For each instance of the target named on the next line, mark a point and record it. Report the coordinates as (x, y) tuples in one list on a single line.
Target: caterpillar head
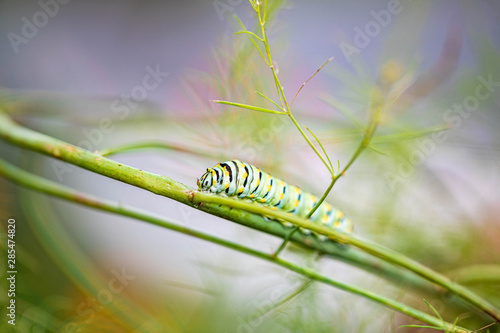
[(206, 181)]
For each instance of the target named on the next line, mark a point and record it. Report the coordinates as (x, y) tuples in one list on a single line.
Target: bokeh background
[(435, 200)]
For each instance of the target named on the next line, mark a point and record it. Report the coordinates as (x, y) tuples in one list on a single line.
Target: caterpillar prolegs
[(235, 178)]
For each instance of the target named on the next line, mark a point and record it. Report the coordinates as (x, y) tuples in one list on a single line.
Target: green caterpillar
[(235, 178)]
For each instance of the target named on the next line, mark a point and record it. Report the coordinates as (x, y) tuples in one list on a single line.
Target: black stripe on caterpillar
[(245, 181)]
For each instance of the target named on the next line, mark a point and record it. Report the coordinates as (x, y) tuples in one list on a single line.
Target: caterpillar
[(246, 181)]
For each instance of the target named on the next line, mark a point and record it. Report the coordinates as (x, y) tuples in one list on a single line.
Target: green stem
[(364, 143), (279, 87), (129, 147), (165, 186), (310, 143), (373, 123), (29, 180), (281, 93), (477, 274), (285, 241)]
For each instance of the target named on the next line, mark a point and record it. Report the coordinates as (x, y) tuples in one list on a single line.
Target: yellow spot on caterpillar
[(263, 200), (328, 207), (336, 224), (213, 181), (297, 190), (227, 185), (314, 199), (252, 196), (297, 203), (274, 208), (339, 215), (325, 218), (258, 182), (268, 188), (282, 195), (240, 190), (245, 175)]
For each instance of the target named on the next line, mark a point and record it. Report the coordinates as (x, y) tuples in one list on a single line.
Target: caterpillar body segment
[(246, 181)]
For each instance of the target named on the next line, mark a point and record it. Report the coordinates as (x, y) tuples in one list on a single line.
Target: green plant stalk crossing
[(165, 186), (34, 182)]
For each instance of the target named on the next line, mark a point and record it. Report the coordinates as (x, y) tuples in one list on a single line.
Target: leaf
[(270, 100), (322, 148), (382, 139), (328, 99), (433, 310), (249, 107), (422, 326), (251, 39), (377, 150), (250, 33)]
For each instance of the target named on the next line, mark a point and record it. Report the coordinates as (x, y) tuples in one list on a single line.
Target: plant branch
[(309, 79), (130, 147), (373, 123)]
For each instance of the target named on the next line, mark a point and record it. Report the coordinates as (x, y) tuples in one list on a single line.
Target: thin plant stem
[(257, 6), (482, 328), (145, 145), (309, 79), (323, 149), (261, 312), (364, 143)]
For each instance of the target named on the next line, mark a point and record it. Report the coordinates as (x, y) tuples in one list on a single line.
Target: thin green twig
[(267, 309), (364, 143), (262, 14), (145, 145), (248, 32), (332, 171), (373, 123), (249, 107), (309, 79), (270, 100)]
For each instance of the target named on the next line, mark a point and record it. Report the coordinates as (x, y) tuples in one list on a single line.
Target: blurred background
[(428, 186)]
